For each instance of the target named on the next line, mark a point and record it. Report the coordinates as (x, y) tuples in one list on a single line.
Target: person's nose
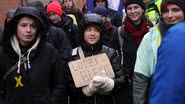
[(170, 14), (28, 28), (132, 10)]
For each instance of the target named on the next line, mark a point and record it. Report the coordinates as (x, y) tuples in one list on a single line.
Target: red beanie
[(54, 7)]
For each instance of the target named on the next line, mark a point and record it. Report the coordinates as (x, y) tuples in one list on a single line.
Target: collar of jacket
[(66, 22), (7, 48), (163, 27), (91, 50)]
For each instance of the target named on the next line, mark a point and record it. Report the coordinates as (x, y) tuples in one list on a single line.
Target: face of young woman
[(135, 13), (54, 18), (91, 35), (172, 14), (68, 3), (26, 30)]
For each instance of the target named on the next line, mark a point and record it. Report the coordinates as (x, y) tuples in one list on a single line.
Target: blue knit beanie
[(101, 10)]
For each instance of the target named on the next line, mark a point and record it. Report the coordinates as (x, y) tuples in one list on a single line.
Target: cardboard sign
[(83, 70)]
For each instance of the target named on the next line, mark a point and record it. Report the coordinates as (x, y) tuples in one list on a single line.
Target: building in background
[(5, 5)]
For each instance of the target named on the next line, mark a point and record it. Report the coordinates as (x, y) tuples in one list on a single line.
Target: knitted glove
[(105, 84), (89, 90)]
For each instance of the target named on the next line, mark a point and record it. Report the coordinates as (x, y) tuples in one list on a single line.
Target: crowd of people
[(38, 41)]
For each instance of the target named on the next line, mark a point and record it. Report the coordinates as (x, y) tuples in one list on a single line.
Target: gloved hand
[(89, 90), (103, 83)]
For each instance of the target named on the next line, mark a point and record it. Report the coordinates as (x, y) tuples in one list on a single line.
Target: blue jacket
[(169, 79)]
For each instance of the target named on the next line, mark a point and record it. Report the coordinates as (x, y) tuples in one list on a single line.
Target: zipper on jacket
[(92, 50), (95, 99)]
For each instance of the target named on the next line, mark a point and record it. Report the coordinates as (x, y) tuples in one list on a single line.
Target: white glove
[(103, 83), (89, 90)]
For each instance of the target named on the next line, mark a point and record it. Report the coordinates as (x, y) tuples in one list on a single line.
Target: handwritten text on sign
[(83, 70)]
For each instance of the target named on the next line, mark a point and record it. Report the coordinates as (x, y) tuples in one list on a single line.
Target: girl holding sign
[(102, 89)]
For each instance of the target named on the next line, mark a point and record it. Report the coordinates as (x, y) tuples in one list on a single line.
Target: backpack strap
[(81, 53), (14, 67), (78, 50)]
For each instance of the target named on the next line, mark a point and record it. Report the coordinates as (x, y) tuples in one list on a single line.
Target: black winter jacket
[(57, 37), (71, 31), (108, 34), (129, 49), (41, 83), (116, 20), (77, 96)]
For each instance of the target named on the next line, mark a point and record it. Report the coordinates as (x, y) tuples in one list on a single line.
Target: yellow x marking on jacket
[(18, 81)]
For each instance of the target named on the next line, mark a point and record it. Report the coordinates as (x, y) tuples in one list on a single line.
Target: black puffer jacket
[(76, 95), (43, 82)]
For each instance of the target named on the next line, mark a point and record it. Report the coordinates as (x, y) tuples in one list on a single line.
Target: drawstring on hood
[(17, 49)]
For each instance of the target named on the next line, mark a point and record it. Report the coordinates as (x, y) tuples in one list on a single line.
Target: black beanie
[(180, 3), (139, 2)]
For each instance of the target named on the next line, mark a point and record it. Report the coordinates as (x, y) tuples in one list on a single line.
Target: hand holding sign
[(83, 70), (103, 83)]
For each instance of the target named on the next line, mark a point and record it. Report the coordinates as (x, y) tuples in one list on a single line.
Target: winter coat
[(108, 34), (76, 12), (76, 94), (57, 37), (116, 19), (145, 65), (40, 77), (128, 51), (41, 84), (71, 31), (129, 56), (168, 81), (146, 62)]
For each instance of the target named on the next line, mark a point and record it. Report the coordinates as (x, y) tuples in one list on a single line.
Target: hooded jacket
[(56, 36), (146, 62), (76, 94), (38, 77)]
